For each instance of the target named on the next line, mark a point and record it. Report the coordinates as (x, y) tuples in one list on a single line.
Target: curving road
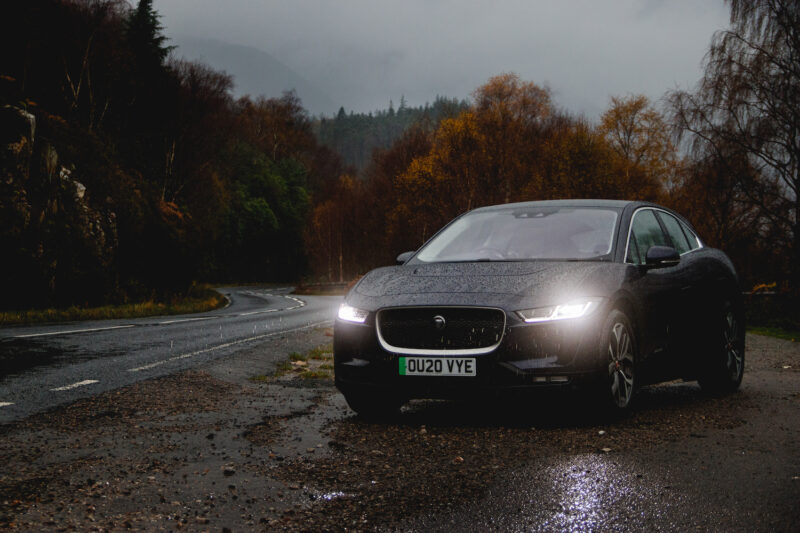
[(48, 365)]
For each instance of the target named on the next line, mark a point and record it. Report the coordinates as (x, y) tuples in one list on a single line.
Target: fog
[(362, 53)]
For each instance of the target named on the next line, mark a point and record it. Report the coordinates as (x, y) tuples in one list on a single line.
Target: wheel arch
[(624, 302)]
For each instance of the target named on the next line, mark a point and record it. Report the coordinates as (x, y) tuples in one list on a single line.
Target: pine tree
[(145, 36)]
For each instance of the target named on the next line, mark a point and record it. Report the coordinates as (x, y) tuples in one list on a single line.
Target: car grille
[(424, 329)]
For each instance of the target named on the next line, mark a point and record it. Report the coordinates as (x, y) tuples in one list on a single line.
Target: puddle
[(18, 356), (329, 496)]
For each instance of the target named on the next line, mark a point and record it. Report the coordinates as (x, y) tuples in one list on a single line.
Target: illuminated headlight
[(351, 314), (573, 309)]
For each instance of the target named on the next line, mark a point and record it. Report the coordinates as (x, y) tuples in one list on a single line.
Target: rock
[(41, 202)]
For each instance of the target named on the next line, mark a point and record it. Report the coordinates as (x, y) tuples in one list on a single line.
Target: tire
[(723, 370), (618, 351), (373, 406)]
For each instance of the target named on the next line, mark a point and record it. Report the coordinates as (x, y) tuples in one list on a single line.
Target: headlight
[(351, 314), (573, 309)]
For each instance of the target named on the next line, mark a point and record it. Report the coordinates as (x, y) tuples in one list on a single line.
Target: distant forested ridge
[(355, 136)]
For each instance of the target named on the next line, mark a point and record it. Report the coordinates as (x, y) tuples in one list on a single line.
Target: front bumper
[(530, 356)]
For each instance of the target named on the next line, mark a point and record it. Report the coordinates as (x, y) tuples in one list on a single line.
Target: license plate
[(437, 366)]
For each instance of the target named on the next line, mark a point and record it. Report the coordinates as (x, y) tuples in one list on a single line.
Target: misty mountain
[(255, 72)]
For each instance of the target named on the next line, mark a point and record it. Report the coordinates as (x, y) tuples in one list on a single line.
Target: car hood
[(482, 283)]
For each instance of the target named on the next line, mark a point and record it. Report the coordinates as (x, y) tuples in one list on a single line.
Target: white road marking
[(258, 312), (69, 332), (185, 320), (300, 302), (6, 404), (226, 345), (75, 385), (261, 311)]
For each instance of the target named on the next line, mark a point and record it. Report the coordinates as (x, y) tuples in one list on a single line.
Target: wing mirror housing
[(404, 257), (662, 257)]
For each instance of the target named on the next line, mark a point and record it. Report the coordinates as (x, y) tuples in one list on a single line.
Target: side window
[(633, 251), (675, 232), (647, 232), (694, 242)]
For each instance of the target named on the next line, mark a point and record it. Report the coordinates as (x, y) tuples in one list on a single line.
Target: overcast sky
[(364, 52)]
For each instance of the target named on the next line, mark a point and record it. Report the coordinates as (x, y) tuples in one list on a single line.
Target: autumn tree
[(578, 162), (712, 191), (641, 137), (749, 98), (511, 116), (383, 188), (487, 154), (512, 145), (337, 232), (278, 126), (355, 226)]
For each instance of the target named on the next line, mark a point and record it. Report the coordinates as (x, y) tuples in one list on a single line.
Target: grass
[(201, 300), (315, 374), (317, 363), (779, 333), (321, 353)]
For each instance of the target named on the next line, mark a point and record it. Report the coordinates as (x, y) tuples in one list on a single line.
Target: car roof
[(617, 204)]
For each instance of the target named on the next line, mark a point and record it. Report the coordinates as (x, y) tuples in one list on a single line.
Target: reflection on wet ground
[(20, 355), (17, 356), (549, 462), (584, 492)]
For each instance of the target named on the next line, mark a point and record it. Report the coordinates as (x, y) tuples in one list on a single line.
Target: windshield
[(522, 234)]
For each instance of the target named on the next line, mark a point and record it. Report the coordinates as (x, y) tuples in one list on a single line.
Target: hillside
[(254, 71)]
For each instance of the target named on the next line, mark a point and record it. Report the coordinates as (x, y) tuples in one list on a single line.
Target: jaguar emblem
[(439, 322)]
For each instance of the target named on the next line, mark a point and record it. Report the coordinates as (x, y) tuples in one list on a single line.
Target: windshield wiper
[(585, 259)]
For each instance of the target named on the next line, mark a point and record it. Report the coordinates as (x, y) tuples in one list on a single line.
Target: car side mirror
[(405, 256), (662, 257)]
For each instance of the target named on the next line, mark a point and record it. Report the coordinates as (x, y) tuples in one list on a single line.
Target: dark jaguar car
[(605, 295)]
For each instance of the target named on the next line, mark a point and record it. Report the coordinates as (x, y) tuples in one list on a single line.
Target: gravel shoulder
[(212, 449)]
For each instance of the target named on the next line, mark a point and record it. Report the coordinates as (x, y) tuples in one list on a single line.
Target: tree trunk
[(794, 266)]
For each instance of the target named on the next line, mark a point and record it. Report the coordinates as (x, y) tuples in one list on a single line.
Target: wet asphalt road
[(48, 365)]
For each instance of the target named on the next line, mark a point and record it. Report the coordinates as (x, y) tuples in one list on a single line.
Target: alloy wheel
[(733, 353), (621, 365)]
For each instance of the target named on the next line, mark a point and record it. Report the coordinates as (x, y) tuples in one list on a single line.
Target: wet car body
[(675, 311)]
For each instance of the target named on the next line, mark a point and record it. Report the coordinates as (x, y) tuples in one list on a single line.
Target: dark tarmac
[(53, 364)]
